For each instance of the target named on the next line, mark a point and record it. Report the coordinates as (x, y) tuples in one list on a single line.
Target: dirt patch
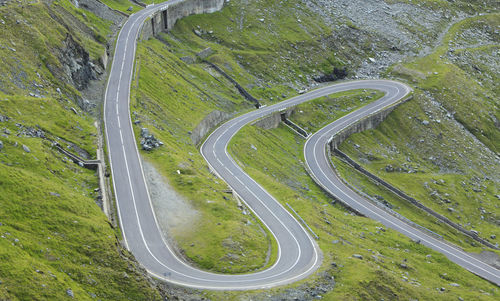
[(174, 213)]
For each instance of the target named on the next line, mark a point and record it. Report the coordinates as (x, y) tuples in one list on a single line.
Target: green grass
[(124, 5), (171, 103), (451, 172), (277, 165), (171, 97), (53, 236), (268, 58)]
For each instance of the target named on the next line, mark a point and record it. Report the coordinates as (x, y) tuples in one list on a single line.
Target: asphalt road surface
[(318, 165), (298, 254)]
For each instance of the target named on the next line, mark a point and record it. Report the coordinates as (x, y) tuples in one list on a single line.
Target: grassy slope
[(267, 59), (53, 237), (172, 97), (270, 57), (277, 165), (457, 175), (124, 5), (171, 112)]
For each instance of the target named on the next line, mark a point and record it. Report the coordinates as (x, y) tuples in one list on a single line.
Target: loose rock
[(149, 141)]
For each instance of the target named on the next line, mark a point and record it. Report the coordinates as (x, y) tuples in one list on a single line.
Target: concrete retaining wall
[(207, 124), (190, 7), (272, 121), (165, 20), (367, 123)]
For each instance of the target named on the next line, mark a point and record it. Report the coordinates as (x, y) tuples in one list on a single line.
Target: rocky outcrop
[(336, 74), (77, 66)]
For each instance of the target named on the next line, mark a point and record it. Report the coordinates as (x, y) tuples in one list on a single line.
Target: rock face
[(149, 141), (76, 63), (336, 74)]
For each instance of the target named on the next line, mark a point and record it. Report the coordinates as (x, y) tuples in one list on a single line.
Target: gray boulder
[(149, 141)]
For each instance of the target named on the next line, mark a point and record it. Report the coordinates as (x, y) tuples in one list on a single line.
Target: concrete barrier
[(89, 164), (411, 200), (242, 90)]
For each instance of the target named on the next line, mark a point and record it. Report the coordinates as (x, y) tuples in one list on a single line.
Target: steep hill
[(274, 51), (55, 242)]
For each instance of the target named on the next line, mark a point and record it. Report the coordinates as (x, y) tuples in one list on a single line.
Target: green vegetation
[(171, 104), (53, 236), (171, 97), (124, 5), (270, 52), (175, 90), (54, 239), (67, 246), (440, 147), (393, 267)]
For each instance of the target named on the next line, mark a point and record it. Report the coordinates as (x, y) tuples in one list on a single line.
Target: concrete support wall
[(190, 7), (165, 20), (207, 124), (272, 121), (367, 123)]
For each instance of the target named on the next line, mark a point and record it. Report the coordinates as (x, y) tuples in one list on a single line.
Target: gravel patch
[(397, 31), (174, 213)]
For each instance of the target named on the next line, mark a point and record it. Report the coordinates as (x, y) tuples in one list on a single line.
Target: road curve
[(318, 165), (298, 254)]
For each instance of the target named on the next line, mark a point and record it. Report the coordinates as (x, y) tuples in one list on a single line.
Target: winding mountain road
[(298, 254)]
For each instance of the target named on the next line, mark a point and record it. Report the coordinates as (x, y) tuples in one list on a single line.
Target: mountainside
[(442, 147), (274, 51), (55, 242)]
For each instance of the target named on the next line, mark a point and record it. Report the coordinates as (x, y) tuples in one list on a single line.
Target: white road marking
[(218, 280)]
